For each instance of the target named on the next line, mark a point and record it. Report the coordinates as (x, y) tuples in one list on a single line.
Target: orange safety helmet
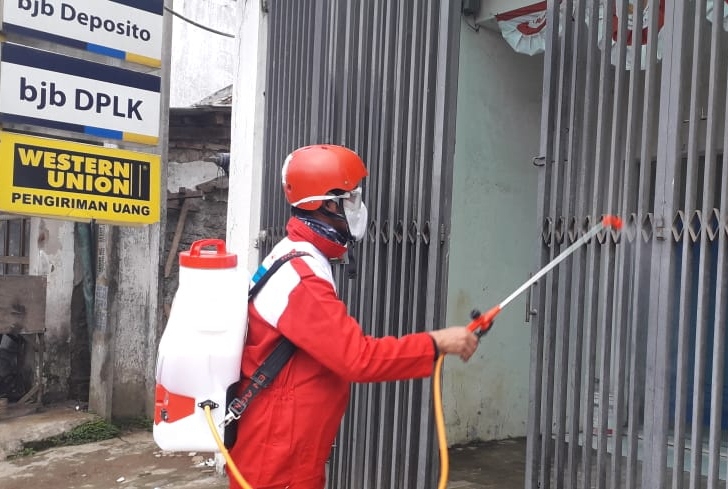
[(316, 170)]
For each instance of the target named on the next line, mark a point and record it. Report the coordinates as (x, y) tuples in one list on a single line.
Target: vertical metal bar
[(643, 259), (4, 237), (24, 245), (272, 117), (369, 55), (312, 57), (552, 450), (583, 117), (625, 266), (16, 249), (606, 296), (686, 286), (396, 132), (445, 71), (421, 124), (315, 73), (362, 58), (407, 405), (594, 261), (608, 304), (335, 69), (370, 257), (295, 80), (534, 462), (426, 454), (381, 305), (587, 144), (345, 23), (310, 61), (715, 98), (333, 26), (719, 320), (344, 71), (657, 391), (565, 158)]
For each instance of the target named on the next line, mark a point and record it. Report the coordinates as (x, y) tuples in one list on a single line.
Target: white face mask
[(357, 220), (356, 213)]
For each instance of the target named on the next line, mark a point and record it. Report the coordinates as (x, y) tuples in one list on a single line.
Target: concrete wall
[(494, 233), (52, 254), (202, 62)]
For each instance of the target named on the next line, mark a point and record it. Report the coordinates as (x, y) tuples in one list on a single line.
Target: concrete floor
[(496, 464), (134, 461)]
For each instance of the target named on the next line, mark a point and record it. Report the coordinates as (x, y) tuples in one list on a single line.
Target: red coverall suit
[(286, 433)]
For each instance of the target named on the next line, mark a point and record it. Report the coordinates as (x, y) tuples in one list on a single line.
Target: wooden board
[(22, 304)]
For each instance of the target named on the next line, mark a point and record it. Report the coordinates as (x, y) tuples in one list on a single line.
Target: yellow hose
[(233, 469), (440, 424)]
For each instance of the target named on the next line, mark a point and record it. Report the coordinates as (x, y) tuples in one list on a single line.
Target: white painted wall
[(202, 62), (490, 8), (246, 150), (494, 233)]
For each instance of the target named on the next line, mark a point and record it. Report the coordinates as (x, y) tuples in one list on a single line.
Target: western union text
[(70, 171), (76, 203)]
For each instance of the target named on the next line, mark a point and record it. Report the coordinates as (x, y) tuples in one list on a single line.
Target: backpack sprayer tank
[(201, 347)]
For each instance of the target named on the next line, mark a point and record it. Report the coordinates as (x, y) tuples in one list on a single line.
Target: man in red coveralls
[(285, 435)]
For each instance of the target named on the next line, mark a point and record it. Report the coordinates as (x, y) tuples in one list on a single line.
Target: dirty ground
[(133, 461)]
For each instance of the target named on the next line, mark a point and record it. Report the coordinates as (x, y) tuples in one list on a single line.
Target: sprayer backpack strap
[(274, 362)]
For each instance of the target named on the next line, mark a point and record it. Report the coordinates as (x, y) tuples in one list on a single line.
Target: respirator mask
[(355, 212)]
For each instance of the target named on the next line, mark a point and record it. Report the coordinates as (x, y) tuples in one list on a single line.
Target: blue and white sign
[(126, 29), (51, 90)]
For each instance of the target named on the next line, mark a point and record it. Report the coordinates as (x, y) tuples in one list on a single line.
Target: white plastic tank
[(201, 347)]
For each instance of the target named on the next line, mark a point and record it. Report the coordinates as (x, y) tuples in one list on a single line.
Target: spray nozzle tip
[(613, 221)]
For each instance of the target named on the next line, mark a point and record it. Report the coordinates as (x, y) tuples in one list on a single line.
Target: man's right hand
[(456, 340)]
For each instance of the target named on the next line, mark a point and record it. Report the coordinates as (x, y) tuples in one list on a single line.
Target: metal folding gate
[(377, 76), (628, 374)]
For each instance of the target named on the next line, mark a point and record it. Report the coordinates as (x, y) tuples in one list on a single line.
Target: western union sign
[(77, 181)]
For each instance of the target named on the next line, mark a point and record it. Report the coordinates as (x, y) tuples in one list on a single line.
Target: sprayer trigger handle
[(474, 314), (484, 330)]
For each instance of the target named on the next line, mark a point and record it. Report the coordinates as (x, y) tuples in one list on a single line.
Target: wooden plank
[(30, 394), (22, 304), (175, 241), (15, 260)]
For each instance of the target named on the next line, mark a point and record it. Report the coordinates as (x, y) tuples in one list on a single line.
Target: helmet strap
[(351, 266)]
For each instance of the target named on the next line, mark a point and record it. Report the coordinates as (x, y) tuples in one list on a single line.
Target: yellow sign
[(49, 177)]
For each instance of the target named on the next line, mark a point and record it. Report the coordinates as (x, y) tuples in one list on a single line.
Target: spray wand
[(481, 323)]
